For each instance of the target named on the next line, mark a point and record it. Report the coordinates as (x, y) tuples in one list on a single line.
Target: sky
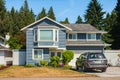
[(62, 8)]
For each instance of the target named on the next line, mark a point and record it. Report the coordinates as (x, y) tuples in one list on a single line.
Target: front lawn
[(21, 71)]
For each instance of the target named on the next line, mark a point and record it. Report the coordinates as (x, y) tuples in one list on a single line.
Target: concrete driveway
[(111, 72)]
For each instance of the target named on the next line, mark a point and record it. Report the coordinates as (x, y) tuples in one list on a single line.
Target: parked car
[(89, 61)]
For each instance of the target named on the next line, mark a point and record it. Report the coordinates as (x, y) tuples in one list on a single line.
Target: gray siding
[(29, 42), (62, 39)]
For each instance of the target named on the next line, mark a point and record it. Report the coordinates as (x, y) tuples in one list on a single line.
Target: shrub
[(55, 61), (44, 63), (67, 56), (29, 65)]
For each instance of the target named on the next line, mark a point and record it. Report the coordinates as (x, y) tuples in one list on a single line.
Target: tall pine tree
[(2, 16), (94, 14), (116, 28), (109, 22), (26, 16), (66, 21), (79, 20), (41, 14), (51, 14)]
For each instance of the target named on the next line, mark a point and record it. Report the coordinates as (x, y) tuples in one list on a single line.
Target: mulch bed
[(3, 67)]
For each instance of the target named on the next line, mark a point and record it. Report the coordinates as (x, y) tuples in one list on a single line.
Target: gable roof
[(83, 28), (43, 19)]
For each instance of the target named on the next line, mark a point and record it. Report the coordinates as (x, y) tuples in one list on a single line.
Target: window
[(72, 36), (35, 35), (52, 54), (46, 35), (37, 54), (81, 36), (56, 54), (56, 35), (98, 36), (91, 36), (59, 54)]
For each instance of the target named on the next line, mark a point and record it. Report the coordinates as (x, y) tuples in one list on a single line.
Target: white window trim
[(38, 32), (33, 54), (90, 39)]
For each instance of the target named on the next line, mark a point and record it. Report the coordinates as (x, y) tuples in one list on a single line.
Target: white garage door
[(2, 61)]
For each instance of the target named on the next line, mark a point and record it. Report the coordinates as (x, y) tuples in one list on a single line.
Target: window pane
[(59, 54), (37, 54), (52, 54), (91, 36), (98, 36), (56, 35), (35, 35), (73, 36), (70, 36), (46, 34), (81, 36)]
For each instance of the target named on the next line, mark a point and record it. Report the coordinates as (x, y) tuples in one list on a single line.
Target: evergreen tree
[(26, 16), (109, 22), (94, 14), (41, 14), (8, 24), (66, 21), (2, 16), (51, 14), (116, 28), (79, 20)]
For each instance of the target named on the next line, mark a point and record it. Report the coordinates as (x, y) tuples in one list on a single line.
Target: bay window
[(46, 35)]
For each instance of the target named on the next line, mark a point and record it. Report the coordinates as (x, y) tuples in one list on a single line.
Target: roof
[(87, 43), (43, 19), (3, 47), (83, 28)]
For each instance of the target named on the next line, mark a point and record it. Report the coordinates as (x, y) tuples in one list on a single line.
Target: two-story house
[(46, 38)]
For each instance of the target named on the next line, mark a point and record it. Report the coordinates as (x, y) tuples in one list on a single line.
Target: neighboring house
[(46, 38), (5, 53)]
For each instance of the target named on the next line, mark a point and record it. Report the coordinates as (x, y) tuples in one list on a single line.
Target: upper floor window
[(81, 36), (91, 36), (35, 35), (46, 35), (72, 36), (98, 36)]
